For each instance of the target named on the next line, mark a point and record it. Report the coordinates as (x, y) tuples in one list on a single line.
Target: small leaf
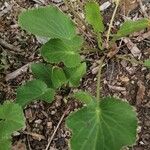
[(147, 63), (94, 17), (56, 51), (47, 22), (11, 119), (84, 97), (58, 77), (5, 144), (42, 72), (48, 96), (33, 90), (130, 27), (75, 74), (106, 125)]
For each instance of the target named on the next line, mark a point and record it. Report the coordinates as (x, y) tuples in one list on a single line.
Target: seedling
[(103, 122)]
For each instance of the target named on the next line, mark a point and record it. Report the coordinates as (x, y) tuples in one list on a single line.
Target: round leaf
[(47, 22), (107, 125)]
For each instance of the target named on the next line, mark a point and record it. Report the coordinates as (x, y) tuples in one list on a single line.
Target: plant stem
[(111, 23), (132, 60), (99, 78)]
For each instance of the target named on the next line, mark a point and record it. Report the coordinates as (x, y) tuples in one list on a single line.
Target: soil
[(120, 78)]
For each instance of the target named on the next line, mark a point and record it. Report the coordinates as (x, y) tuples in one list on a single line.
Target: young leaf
[(106, 125), (47, 22), (75, 74), (42, 72), (147, 63), (48, 96), (58, 77), (84, 97), (130, 27), (56, 51), (5, 144), (94, 17), (34, 90), (11, 119)]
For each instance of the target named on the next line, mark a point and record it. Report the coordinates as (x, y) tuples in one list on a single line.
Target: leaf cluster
[(99, 120)]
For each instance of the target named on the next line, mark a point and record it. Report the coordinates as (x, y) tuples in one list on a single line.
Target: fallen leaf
[(128, 5), (19, 146)]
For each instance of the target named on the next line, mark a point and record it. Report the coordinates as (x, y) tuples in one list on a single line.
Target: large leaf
[(56, 51), (47, 22), (58, 77), (130, 27), (94, 17), (42, 72), (5, 144), (11, 119), (106, 125), (147, 63), (74, 75), (34, 90)]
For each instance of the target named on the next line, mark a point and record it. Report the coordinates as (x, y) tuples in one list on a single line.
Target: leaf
[(106, 125), (75, 74), (11, 119), (47, 22), (32, 91), (130, 27), (84, 97), (58, 77), (56, 51), (94, 17), (5, 144), (147, 63), (42, 72), (75, 43), (48, 96)]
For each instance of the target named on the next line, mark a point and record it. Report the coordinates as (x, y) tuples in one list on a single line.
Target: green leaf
[(48, 96), (147, 63), (84, 97), (32, 91), (106, 125), (11, 119), (56, 51), (75, 74), (5, 144), (47, 22), (58, 77), (130, 27), (42, 72), (75, 43), (93, 16)]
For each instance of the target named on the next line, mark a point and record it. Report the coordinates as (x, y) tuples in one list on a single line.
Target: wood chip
[(117, 88), (132, 47), (140, 93)]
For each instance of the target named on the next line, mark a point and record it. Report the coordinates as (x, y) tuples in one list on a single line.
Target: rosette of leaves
[(102, 125), (63, 47)]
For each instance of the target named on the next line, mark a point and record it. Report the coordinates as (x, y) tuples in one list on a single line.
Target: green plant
[(103, 122)]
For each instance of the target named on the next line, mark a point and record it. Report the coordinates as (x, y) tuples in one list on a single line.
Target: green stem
[(131, 59), (99, 78)]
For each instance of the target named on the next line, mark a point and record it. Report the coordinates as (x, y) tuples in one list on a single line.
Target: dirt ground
[(120, 78)]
